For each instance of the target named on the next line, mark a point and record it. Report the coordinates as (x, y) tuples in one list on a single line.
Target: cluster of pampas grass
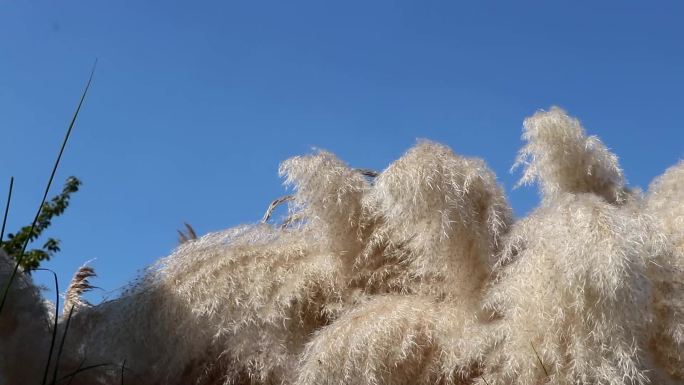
[(415, 275)]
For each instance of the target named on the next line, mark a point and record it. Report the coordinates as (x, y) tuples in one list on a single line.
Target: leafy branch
[(53, 208)]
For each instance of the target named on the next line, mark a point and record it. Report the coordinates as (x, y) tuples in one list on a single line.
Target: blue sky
[(194, 104)]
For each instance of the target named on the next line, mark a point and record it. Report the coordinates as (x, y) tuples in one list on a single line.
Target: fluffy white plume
[(665, 203), (393, 340), (562, 158), (437, 219), (328, 199), (79, 284), (573, 287)]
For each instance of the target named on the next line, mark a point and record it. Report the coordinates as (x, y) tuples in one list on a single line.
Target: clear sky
[(194, 104)]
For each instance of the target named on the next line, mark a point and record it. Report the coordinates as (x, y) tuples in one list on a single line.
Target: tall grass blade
[(61, 346), (80, 365), (123, 366), (7, 206), (47, 188), (73, 374), (54, 327)]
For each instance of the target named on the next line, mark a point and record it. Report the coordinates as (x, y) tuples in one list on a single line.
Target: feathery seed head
[(563, 159), (328, 198), (79, 284), (439, 220), (665, 203), (572, 281)]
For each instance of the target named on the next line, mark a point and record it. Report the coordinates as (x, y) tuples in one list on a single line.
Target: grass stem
[(61, 346), (7, 206), (20, 257), (539, 359)]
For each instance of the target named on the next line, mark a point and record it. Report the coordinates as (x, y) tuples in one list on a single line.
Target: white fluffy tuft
[(572, 285), (328, 198), (563, 159), (437, 220), (665, 203)]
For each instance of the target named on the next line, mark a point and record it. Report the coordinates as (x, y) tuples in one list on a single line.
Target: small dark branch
[(539, 359), (290, 220), (191, 232), (73, 374), (273, 206), (367, 172), (7, 206), (188, 235), (287, 222)]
